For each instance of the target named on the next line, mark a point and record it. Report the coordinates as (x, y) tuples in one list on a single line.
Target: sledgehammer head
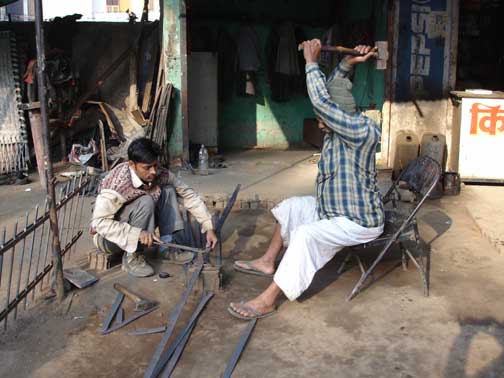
[(141, 304)]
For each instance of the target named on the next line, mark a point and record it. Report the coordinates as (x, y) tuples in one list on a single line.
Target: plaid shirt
[(346, 181)]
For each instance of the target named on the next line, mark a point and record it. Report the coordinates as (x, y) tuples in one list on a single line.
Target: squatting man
[(347, 209), (136, 197)]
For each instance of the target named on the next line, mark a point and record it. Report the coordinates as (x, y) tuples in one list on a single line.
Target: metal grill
[(25, 256)]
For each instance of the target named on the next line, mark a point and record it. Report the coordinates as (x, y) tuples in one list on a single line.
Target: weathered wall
[(422, 76)]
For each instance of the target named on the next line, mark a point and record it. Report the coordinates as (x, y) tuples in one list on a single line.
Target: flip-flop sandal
[(257, 314), (249, 269)]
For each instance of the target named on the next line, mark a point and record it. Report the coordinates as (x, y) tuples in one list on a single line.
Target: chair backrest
[(421, 175)]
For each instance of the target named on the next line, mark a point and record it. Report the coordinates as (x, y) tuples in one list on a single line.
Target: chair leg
[(404, 257), (345, 261), (364, 277), (361, 265), (421, 254), (420, 266)]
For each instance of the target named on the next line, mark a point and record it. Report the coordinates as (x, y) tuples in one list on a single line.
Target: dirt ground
[(389, 330)]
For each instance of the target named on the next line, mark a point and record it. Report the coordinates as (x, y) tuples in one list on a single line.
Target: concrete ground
[(389, 330)]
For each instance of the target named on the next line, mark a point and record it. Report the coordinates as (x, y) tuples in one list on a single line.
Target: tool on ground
[(239, 348), (128, 321), (141, 304), (112, 313), (381, 52), (147, 331), (181, 247)]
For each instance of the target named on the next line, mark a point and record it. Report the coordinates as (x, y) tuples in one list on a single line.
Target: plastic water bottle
[(203, 161)]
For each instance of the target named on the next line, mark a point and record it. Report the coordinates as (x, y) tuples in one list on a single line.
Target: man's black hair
[(144, 150)]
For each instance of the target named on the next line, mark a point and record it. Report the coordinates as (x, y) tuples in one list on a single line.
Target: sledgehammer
[(380, 52), (141, 304)]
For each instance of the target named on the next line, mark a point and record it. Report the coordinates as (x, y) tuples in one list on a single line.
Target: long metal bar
[(64, 217), (129, 320), (120, 316), (192, 321), (78, 195), (182, 247), (46, 252), (72, 202), (11, 306), (147, 331), (32, 245), (175, 314), (178, 352), (112, 312), (40, 247), (228, 208), (239, 348), (83, 199), (1, 256), (9, 282), (21, 263), (19, 237)]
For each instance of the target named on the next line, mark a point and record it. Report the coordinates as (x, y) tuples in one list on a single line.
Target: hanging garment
[(287, 60), (227, 65), (248, 49), (14, 156), (286, 77)]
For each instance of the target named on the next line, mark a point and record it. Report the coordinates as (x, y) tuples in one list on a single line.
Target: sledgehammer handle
[(341, 49), (121, 289)]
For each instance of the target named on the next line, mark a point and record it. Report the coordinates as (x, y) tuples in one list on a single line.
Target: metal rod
[(120, 316), (239, 349), (46, 252), (149, 373), (64, 217), (71, 204), (192, 321), (113, 311), (177, 353), (7, 300), (147, 331), (39, 254), (78, 195), (21, 263), (32, 244), (182, 247), (227, 209), (1, 256), (129, 320), (72, 207), (58, 282), (83, 199)]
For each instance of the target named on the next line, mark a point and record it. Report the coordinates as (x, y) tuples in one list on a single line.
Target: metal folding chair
[(419, 177)]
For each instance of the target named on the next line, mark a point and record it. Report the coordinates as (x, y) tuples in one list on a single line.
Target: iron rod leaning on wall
[(58, 283)]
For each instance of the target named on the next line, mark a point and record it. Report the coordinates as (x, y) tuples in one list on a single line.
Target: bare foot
[(253, 308), (259, 264)]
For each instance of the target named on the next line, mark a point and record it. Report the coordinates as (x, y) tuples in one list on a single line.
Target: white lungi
[(311, 242)]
